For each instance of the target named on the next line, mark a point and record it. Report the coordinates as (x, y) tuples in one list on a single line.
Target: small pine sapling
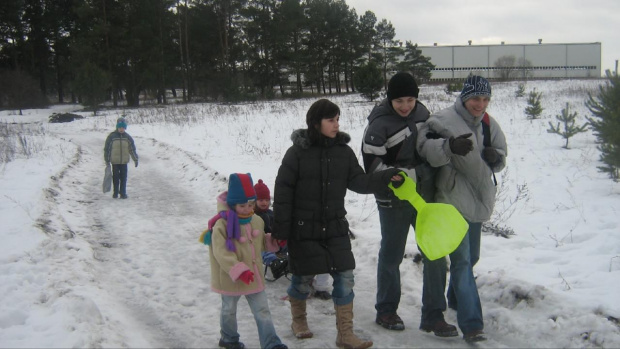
[(605, 123), (520, 91), (453, 87), (534, 109), (567, 119)]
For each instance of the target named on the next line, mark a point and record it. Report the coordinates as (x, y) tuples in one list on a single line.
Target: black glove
[(461, 145), (433, 135), (136, 162), (399, 182), (384, 177), (490, 155), (387, 174)]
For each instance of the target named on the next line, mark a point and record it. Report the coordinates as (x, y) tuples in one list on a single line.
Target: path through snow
[(134, 274)]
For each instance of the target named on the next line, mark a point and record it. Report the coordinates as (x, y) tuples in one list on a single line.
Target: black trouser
[(119, 178)]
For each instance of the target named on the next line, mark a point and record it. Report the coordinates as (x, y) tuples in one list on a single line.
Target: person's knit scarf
[(233, 227)]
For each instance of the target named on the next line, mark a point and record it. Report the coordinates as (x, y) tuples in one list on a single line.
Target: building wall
[(571, 60)]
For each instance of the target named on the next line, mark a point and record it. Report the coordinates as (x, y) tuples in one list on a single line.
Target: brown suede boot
[(300, 324), (344, 322)]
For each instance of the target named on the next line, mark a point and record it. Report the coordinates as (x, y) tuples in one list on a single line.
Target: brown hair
[(319, 110)]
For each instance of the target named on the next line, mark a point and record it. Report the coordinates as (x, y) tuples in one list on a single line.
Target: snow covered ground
[(80, 269)]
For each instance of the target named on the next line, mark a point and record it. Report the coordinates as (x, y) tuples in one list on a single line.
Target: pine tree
[(534, 109), (368, 81), (520, 91), (606, 124), (21, 91), (567, 119), (389, 49), (91, 82), (414, 62)]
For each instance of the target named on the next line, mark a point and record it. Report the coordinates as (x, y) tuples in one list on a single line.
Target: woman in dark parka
[(309, 213)]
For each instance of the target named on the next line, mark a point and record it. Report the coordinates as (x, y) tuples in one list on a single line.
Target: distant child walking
[(119, 147), (237, 237)]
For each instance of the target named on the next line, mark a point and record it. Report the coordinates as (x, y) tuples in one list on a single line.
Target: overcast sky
[(454, 22)]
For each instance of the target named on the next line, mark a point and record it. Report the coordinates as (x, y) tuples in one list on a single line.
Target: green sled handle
[(439, 228)]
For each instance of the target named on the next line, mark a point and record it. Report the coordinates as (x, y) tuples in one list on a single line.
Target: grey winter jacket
[(390, 140), (463, 181), (118, 148)]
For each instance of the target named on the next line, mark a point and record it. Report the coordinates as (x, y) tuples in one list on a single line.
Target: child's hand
[(247, 277)]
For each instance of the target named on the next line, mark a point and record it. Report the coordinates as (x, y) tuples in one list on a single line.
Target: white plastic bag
[(107, 179)]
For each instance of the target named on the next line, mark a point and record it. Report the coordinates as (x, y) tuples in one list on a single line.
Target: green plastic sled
[(439, 228)]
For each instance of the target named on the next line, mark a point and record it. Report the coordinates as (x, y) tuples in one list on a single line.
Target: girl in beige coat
[(236, 237)]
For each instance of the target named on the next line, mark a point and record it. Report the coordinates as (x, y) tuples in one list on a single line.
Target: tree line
[(91, 51)]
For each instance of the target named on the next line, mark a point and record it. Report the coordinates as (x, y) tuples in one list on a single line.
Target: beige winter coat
[(227, 266)]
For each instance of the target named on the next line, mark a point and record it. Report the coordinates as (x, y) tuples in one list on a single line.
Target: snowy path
[(141, 279), (79, 269), (151, 270), (149, 277)]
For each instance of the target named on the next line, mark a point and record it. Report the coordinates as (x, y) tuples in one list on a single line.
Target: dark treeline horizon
[(96, 50)]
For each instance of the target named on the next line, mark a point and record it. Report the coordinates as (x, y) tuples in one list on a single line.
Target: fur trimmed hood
[(300, 138)]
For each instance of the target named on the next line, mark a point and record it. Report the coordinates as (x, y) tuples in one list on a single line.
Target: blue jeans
[(433, 288), (342, 292), (475, 232), (119, 179), (465, 290), (395, 223), (260, 308)]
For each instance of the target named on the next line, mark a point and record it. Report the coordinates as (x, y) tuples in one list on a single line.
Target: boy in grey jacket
[(453, 140), (119, 147)]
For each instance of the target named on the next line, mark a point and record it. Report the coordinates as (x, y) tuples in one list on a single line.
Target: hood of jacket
[(300, 138), (221, 202)]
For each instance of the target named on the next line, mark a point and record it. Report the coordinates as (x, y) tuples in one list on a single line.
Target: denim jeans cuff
[(468, 329), (431, 317), (344, 300), (292, 292)]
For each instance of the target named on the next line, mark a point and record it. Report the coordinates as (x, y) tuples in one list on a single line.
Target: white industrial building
[(572, 60)]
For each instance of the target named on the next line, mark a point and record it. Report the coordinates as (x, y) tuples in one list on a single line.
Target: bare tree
[(511, 68)]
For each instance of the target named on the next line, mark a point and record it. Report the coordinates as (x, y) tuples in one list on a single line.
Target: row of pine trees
[(95, 50)]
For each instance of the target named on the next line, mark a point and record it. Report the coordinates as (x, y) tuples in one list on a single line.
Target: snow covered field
[(80, 269)]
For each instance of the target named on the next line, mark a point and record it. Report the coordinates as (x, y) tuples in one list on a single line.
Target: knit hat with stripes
[(475, 86)]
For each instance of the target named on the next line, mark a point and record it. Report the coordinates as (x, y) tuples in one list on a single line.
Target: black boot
[(441, 329), (231, 345)]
